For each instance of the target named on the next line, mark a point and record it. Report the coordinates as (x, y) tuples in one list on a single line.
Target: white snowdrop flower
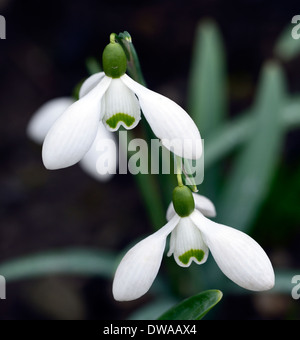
[(117, 100), (43, 119), (239, 257)]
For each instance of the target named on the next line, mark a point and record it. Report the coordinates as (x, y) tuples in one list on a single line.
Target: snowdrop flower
[(117, 100), (192, 236), (41, 122)]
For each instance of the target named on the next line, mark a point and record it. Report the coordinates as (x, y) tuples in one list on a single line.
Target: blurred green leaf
[(254, 167), (283, 282), (207, 100), (77, 261), (286, 47), (195, 307), (232, 134), (151, 310), (207, 87), (93, 66)]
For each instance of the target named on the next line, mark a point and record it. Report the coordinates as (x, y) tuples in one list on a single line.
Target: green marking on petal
[(196, 253), (120, 117)]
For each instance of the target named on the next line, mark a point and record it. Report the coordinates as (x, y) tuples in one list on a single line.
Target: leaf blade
[(79, 261), (195, 307), (248, 183)]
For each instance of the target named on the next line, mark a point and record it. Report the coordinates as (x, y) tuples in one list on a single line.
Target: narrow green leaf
[(207, 89), (253, 169), (195, 307), (207, 101), (77, 261), (232, 134)]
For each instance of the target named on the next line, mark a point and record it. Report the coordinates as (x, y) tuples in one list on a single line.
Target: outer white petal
[(90, 83), (187, 244), (45, 116), (202, 203), (169, 122), (74, 131), (139, 267), (205, 205), (90, 162), (239, 257)]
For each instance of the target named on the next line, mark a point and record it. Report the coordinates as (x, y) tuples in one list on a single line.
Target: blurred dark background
[(43, 57)]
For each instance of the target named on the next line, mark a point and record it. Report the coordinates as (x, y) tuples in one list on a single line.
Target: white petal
[(205, 205), (90, 83), (45, 116), (139, 267), (74, 131), (169, 122), (90, 162), (120, 107), (187, 244), (239, 257), (202, 203)]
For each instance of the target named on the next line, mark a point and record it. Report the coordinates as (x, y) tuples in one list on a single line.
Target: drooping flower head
[(115, 99), (193, 235)]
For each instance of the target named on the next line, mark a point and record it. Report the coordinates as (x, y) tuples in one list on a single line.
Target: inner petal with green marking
[(186, 244), (120, 118), (120, 106), (197, 254)]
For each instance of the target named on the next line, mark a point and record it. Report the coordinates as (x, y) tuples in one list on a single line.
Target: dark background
[(42, 58)]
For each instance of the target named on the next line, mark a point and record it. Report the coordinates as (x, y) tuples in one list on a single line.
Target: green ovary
[(196, 253), (120, 117)]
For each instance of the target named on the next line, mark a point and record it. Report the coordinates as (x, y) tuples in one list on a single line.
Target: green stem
[(133, 63), (179, 170), (112, 38), (150, 193), (148, 185)]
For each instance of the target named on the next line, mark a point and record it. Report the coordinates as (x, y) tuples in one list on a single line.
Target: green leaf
[(283, 283), (77, 261), (232, 134), (207, 89), (207, 101), (195, 307), (92, 65), (248, 183)]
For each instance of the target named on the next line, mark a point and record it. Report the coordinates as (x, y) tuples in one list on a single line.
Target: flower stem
[(112, 38), (179, 170)]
